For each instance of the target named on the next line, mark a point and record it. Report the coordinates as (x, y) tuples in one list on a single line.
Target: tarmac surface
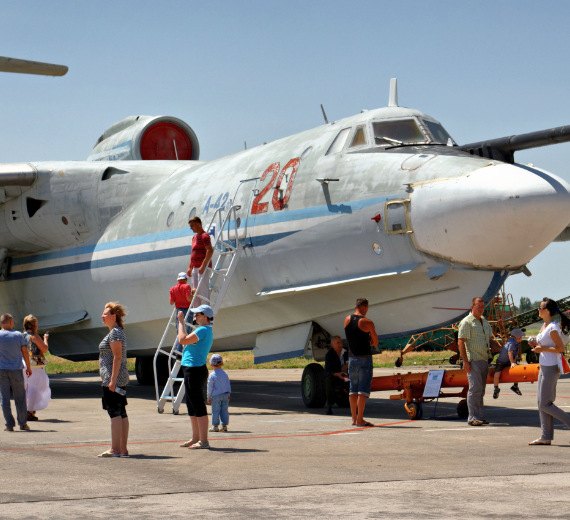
[(282, 460)]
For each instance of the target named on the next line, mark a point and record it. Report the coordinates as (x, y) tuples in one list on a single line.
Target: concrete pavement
[(282, 460)]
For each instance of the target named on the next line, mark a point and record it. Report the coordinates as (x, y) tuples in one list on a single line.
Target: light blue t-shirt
[(11, 343), (218, 383), (196, 355)]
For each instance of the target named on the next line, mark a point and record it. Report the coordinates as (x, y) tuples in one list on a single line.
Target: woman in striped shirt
[(114, 378)]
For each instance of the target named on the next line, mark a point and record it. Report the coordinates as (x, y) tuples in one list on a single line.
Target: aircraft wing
[(31, 67), (504, 148)]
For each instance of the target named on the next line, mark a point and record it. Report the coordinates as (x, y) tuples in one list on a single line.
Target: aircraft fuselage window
[(339, 141), (359, 138), (405, 131), (439, 133)]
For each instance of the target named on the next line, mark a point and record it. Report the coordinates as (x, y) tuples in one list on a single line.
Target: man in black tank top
[(361, 336)]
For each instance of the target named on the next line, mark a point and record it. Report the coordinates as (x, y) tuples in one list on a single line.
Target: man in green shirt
[(474, 341)]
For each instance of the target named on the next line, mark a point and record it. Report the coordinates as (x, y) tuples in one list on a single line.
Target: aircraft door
[(243, 197), (397, 217)]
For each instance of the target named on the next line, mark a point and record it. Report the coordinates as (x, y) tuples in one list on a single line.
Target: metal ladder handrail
[(209, 273)]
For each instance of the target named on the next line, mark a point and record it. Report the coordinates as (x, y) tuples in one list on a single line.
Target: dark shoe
[(9, 429), (24, 427), (515, 388), (329, 411), (484, 421), (32, 417), (496, 392)]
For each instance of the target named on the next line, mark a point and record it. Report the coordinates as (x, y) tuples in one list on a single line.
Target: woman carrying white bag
[(550, 344), (38, 392)]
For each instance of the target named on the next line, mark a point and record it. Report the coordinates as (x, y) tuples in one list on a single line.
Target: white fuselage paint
[(464, 213)]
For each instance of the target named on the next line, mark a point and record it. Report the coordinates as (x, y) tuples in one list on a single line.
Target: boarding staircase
[(227, 248)]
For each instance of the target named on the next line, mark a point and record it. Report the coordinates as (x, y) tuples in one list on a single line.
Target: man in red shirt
[(181, 296), (200, 257)]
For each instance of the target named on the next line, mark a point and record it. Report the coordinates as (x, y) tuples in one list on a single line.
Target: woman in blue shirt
[(197, 346)]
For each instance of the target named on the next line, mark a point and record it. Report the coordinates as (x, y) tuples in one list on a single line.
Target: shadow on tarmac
[(283, 398)]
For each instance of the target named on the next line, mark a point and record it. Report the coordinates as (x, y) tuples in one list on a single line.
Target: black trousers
[(335, 390), (195, 381)]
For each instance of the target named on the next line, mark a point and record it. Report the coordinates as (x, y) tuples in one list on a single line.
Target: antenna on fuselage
[(393, 99), (245, 145), (324, 115)]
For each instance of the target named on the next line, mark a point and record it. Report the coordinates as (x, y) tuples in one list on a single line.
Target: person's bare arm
[(171, 302), (463, 353), (512, 359), (116, 348), (191, 295), (367, 325), (40, 343), (557, 349), (27, 361), (209, 254), (183, 337)]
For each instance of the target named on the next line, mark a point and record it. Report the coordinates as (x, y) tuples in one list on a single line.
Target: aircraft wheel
[(144, 371), (414, 411), (398, 362), (453, 359), (462, 408), (161, 410), (313, 386), (532, 357)]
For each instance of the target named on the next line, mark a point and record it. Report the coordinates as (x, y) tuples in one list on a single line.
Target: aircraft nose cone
[(499, 216)]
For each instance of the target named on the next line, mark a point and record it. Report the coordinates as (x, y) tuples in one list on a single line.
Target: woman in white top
[(549, 344)]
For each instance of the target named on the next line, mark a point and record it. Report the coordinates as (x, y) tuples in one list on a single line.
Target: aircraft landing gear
[(313, 386), (453, 359), (462, 409), (145, 372)]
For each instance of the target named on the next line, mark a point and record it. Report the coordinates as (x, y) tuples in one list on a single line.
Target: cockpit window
[(359, 138), (339, 141), (397, 132), (439, 133)]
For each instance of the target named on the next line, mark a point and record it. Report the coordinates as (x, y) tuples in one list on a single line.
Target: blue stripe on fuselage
[(257, 220)]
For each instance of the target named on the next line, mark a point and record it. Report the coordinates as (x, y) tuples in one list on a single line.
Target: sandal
[(187, 444), (200, 446), (539, 442), (365, 425), (108, 453), (125, 455), (476, 422)]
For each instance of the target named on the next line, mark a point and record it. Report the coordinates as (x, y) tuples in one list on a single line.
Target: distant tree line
[(526, 305)]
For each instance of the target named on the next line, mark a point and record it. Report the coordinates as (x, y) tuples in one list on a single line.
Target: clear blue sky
[(257, 71)]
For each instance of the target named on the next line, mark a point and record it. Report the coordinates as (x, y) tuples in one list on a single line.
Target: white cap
[(182, 276)]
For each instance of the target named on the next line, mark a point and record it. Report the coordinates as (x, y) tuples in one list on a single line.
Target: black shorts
[(114, 403), (195, 381), (500, 365)]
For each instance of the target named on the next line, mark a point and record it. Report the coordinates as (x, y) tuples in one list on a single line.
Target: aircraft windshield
[(439, 133), (394, 132)]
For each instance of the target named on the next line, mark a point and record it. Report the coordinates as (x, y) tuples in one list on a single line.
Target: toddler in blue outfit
[(219, 391)]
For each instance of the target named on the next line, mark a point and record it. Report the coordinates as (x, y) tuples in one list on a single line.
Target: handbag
[(563, 365)]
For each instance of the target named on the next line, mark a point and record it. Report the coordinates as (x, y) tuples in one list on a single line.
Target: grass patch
[(57, 365), (243, 360)]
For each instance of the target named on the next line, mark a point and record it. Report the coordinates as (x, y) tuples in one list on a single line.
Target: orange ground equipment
[(412, 385)]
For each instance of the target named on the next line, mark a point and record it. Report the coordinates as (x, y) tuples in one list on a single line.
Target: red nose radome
[(499, 216)]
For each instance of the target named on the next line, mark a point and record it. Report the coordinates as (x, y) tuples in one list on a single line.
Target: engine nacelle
[(147, 138)]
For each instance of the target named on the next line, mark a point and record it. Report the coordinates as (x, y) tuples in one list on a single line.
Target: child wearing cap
[(508, 358), (219, 391)]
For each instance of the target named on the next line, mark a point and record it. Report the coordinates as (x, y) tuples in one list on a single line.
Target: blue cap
[(204, 309), (216, 359), (517, 333)]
